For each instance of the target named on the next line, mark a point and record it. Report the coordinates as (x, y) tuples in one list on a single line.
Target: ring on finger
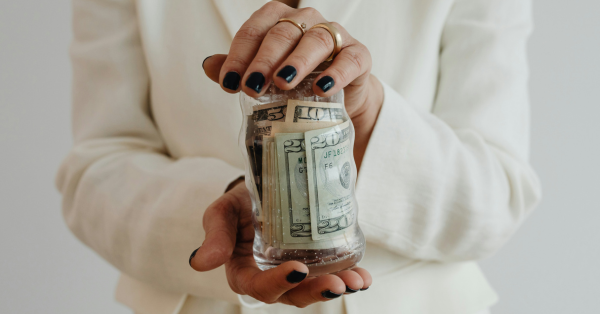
[(337, 38), (301, 27)]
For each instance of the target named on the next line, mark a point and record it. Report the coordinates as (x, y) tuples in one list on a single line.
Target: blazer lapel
[(236, 12)]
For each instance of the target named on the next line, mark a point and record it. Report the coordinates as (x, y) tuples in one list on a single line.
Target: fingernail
[(349, 290), (231, 81), (330, 295), (204, 61), (363, 289), (192, 256), (296, 276), (326, 83), (255, 81), (287, 73)]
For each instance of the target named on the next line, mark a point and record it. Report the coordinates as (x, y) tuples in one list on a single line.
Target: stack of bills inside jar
[(300, 155)]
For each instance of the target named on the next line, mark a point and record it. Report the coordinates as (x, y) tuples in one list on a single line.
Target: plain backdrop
[(552, 265)]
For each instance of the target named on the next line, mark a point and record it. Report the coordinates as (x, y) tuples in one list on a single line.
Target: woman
[(437, 93)]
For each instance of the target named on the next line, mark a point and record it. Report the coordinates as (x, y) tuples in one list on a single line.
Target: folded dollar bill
[(302, 167)]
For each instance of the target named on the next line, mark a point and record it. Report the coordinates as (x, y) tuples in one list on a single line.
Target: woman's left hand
[(229, 241), (264, 50)]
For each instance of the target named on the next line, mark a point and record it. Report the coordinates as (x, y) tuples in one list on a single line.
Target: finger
[(212, 66), (366, 277), (279, 42), (220, 224), (350, 67), (266, 286), (246, 43), (323, 288), (314, 47), (353, 280)]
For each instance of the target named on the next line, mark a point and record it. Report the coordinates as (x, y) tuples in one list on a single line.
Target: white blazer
[(445, 180)]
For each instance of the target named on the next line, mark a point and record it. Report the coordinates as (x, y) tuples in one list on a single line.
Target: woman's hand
[(229, 239), (264, 51)]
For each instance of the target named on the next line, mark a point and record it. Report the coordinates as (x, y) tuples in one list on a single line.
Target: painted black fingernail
[(192, 256), (255, 81), (363, 289), (204, 61), (330, 295), (350, 290), (296, 276), (287, 73), (326, 83), (231, 81)]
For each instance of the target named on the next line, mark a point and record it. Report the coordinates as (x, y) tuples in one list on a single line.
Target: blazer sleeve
[(123, 195), (455, 183)]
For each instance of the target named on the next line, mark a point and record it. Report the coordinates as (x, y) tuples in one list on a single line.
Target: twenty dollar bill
[(331, 172)]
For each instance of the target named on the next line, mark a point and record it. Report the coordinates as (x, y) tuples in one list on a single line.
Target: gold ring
[(301, 27), (337, 38)]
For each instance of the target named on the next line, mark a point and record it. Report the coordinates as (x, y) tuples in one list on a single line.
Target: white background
[(552, 265)]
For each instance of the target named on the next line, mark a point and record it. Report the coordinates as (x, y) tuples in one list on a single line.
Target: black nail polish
[(287, 73), (350, 290), (363, 289), (204, 61), (326, 83), (330, 295), (192, 256), (296, 276), (231, 81), (255, 81)]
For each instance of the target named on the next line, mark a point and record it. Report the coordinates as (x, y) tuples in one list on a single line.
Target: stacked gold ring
[(301, 27), (337, 38)]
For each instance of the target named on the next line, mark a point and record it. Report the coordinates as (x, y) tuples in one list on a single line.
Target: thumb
[(212, 66), (220, 224)]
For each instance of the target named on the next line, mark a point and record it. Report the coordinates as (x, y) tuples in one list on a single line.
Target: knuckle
[(263, 297), (338, 26), (354, 58), (342, 75), (271, 301), (322, 37), (301, 305), (347, 38), (273, 7), (302, 60), (249, 33), (237, 62), (310, 11), (297, 300), (259, 294), (270, 4), (364, 51), (284, 33), (264, 61), (235, 289)]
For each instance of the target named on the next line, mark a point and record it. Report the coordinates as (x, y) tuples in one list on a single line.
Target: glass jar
[(301, 174)]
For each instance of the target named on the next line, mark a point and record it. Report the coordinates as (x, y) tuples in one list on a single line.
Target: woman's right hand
[(265, 51), (229, 239)]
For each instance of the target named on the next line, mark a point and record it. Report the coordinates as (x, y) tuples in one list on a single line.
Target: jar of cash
[(301, 175)]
